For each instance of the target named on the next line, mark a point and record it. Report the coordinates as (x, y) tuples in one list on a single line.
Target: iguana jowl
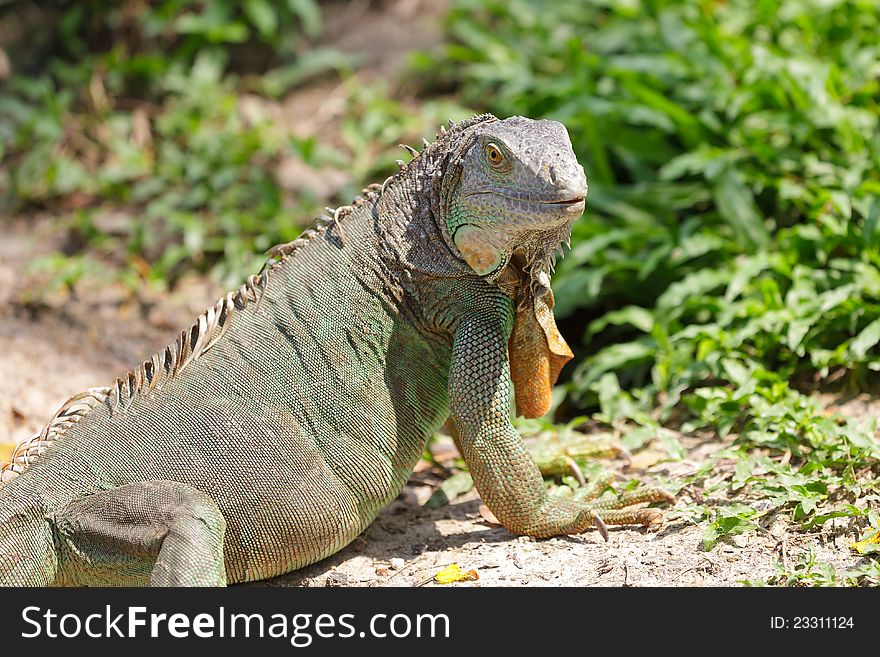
[(273, 431)]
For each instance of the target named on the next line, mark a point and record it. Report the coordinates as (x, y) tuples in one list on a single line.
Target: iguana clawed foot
[(557, 453), (617, 511)]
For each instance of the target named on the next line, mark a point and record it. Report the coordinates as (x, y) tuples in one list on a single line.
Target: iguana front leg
[(504, 472)]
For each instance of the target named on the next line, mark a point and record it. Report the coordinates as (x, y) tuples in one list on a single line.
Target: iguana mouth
[(571, 201), (533, 201)]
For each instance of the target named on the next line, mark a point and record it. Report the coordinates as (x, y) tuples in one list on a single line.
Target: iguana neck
[(411, 211)]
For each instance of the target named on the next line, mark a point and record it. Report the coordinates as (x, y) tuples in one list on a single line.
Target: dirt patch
[(409, 543), (427, 540), (56, 345)]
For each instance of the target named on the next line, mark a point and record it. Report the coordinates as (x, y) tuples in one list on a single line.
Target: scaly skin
[(271, 433)]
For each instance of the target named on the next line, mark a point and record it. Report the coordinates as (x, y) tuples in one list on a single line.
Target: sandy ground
[(61, 345)]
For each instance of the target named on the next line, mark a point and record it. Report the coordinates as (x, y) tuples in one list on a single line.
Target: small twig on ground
[(784, 542)]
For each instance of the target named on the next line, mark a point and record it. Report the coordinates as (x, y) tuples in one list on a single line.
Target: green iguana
[(271, 433)]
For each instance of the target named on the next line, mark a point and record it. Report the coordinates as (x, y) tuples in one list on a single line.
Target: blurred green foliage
[(149, 130), (136, 105)]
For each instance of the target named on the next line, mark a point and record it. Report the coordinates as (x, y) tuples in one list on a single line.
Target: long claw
[(575, 470), (599, 524), (619, 511)]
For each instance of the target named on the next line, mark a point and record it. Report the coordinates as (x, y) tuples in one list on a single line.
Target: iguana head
[(509, 199), (516, 189)]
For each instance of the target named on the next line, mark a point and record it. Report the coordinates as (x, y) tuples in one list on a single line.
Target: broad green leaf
[(864, 341), (309, 13), (450, 489), (262, 15), (737, 206)]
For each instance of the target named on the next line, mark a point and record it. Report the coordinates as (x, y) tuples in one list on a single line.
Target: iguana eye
[(494, 156)]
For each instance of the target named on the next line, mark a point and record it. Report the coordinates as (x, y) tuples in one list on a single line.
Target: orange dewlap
[(537, 353)]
